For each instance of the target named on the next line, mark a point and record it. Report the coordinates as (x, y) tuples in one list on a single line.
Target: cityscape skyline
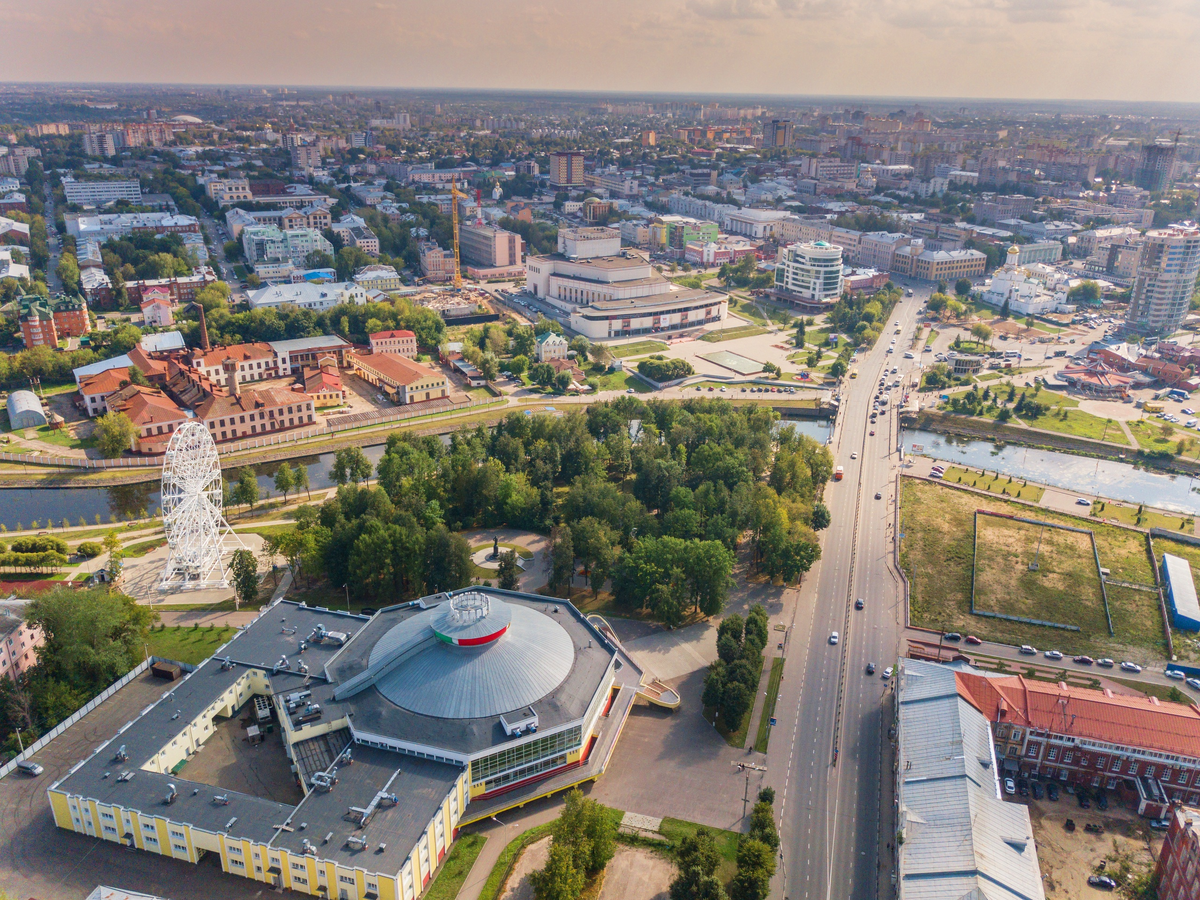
[(1022, 50)]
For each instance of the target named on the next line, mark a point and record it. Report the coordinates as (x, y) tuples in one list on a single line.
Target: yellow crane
[(455, 195)]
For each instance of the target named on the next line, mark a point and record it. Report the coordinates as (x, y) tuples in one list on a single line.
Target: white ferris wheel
[(193, 514)]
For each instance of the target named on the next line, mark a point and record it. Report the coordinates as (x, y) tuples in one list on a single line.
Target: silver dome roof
[(532, 658)]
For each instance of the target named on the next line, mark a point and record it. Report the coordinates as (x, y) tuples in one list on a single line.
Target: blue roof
[(1182, 589)]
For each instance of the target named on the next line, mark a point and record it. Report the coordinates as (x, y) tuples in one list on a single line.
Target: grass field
[(935, 553), (764, 727), (1128, 515), (1153, 434), (1064, 589), (638, 348), (729, 334), (142, 548), (994, 483), (188, 645), (456, 868), (1078, 423)]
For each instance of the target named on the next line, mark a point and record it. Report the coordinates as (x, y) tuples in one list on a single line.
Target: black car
[(952, 636), (1085, 802), (1038, 791), (870, 668), (1022, 787), (1052, 791), (858, 604), (1101, 881), (878, 495)]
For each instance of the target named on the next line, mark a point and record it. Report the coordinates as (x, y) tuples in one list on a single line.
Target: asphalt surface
[(824, 759)]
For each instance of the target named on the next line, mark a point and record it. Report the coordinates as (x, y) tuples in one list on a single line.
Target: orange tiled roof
[(395, 368), (1143, 722), (249, 401), (104, 382), (146, 406), (238, 352), (395, 333)]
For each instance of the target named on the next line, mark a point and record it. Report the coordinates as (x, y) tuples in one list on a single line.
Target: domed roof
[(490, 657)]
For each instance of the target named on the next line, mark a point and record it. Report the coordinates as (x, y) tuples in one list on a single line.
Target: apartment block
[(91, 193), (566, 169)]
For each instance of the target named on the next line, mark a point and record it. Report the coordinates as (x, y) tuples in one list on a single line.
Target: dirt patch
[(636, 873), (1065, 588), (532, 859), (1068, 858)]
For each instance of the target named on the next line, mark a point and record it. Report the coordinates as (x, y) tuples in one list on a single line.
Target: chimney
[(231, 376), (204, 344)]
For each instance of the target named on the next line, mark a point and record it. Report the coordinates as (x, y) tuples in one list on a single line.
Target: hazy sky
[(1104, 49)]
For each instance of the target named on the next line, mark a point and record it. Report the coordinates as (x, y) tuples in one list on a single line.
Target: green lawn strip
[(675, 830), (933, 333), (1149, 518), (263, 530), (456, 868), (1158, 435), (638, 348), (1078, 423), (995, 483), (620, 381), (764, 726), (729, 334), (61, 437), (1167, 692), (508, 858), (936, 554), (141, 548), (187, 645), (523, 552)]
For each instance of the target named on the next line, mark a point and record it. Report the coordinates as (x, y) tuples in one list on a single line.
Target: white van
[(30, 768)]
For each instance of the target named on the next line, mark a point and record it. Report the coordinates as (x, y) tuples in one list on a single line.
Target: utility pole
[(746, 797)]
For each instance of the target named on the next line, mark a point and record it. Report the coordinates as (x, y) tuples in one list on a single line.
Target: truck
[(839, 473)]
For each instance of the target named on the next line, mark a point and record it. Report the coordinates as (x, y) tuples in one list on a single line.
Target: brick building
[(1093, 738), (1179, 861), (154, 414), (18, 643), (182, 290), (401, 379), (397, 341), (45, 322)]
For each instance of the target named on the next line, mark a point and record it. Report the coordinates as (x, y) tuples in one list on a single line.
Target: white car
[(1131, 667), (1188, 411), (1174, 673), (1010, 786), (908, 354), (887, 673), (1080, 501), (1194, 683), (854, 455), (1054, 654), (1028, 650), (833, 638)]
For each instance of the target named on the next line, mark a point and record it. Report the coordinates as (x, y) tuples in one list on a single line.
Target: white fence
[(87, 708)]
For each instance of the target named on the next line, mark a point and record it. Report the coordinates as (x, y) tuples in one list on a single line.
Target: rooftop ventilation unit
[(226, 664), (127, 775), (357, 843), (221, 799), (171, 795), (324, 781), (122, 756)]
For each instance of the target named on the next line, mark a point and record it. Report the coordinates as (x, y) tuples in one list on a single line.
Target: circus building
[(396, 730)]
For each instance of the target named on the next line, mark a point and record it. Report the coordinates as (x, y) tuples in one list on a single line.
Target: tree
[(285, 479), (245, 575), (962, 287), (300, 474), (838, 368), (351, 465), (698, 860), (562, 382), (541, 373), (114, 434), (1005, 309), (559, 879), (736, 701), (508, 571), (756, 866), (246, 492), (586, 828), (562, 558), (1086, 292), (518, 365), (447, 560), (981, 332), (820, 516), (214, 296), (68, 271)]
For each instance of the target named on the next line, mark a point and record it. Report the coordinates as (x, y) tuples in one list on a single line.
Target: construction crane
[(455, 196)]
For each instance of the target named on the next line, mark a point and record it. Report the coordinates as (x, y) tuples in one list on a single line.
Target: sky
[(1041, 49)]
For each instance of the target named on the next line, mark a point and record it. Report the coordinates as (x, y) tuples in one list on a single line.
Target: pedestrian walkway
[(1128, 434), (760, 703), (499, 831)]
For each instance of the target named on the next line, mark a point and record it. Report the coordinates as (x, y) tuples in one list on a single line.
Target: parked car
[(31, 769), (1174, 673), (1084, 660), (972, 640), (1194, 683), (887, 673), (878, 495), (1010, 786), (1101, 881), (1080, 501), (1028, 651), (1038, 791), (1052, 791), (1054, 654), (1131, 667), (1101, 801), (1022, 787), (1160, 824), (1105, 662)]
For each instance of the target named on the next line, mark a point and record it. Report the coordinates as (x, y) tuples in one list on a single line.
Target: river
[(1097, 477)]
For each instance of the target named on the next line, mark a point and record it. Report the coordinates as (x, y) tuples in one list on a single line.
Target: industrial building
[(25, 410), (1181, 593), (399, 728), (956, 837)]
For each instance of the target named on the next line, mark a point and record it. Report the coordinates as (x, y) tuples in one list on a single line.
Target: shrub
[(89, 549)]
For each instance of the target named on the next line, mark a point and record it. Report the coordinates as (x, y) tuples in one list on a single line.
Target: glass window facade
[(525, 759)]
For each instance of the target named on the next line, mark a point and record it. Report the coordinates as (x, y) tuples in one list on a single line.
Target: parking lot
[(39, 860)]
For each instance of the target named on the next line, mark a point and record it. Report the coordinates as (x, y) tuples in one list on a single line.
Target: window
[(298, 879), (346, 879), (148, 826), (1149, 771), (299, 867), (107, 816), (1032, 750), (108, 829), (179, 848), (1133, 767), (1052, 754), (236, 863)]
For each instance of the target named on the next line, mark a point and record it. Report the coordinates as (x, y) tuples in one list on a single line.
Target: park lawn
[(637, 348), (675, 830), (523, 552), (729, 334), (764, 726), (1152, 434), (1078, 423), (141, 548), (816, 337), (936, 555), (621, 381), (456, 868), (995, 484), (1149, 518), (971, 346), (746, 309), (62, 437), (933, 334), (187, 645)]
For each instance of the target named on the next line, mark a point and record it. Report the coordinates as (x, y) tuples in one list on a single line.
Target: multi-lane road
[(825, 758)]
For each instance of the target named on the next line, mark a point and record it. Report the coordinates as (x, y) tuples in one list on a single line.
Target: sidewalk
[(760, 702), (498, 833)]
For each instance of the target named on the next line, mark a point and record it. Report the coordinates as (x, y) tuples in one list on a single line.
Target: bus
[(839, 473), (1152, 407)]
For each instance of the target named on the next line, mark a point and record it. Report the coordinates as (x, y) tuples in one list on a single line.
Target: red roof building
[(153, 413), (398, 341), (1179, 861), (1094, 738)]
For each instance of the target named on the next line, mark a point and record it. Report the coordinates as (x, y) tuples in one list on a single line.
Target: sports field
[(1065, 588)]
